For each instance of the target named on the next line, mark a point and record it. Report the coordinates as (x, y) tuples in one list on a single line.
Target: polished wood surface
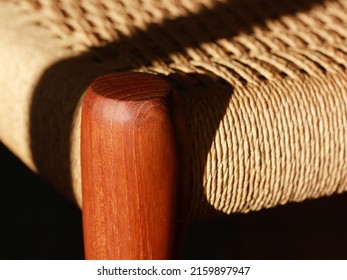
[(135, 168)]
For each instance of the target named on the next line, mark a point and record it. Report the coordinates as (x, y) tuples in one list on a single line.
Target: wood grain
[(135, 168)]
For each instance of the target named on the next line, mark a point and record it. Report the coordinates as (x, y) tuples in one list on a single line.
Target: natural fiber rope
[(264, 84)]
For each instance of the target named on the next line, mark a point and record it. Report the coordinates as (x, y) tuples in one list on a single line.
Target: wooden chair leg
[(134, 168)]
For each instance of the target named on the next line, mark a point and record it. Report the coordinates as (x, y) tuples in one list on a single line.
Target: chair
[(189, 109)]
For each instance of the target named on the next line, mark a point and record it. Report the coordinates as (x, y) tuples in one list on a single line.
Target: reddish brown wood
[(134, 168)]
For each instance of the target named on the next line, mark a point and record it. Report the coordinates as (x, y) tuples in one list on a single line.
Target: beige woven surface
[(264, 84)]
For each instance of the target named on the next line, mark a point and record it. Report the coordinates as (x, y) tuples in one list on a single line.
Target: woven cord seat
[(264, 85)]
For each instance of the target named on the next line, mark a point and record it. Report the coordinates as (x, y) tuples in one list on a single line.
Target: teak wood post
[(135, 159)]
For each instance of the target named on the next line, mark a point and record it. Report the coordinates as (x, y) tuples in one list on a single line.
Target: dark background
[(38, 223)]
